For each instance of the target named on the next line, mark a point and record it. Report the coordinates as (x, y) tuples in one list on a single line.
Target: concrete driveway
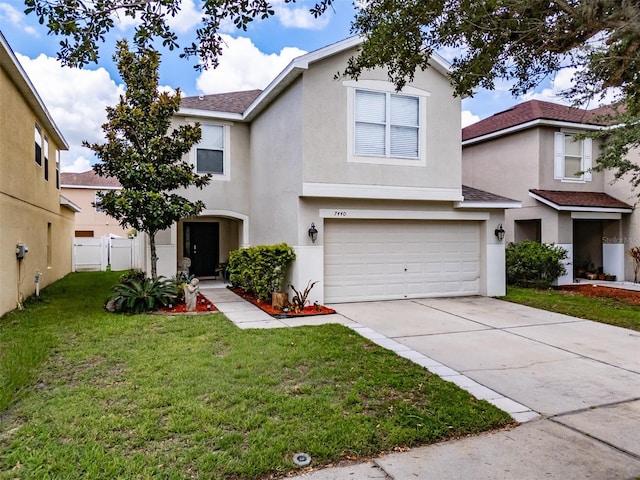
[(582, 377)]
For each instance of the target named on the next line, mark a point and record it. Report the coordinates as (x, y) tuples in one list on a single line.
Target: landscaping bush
[(260, 270), (533, 264), (136, 296), (134, 274)]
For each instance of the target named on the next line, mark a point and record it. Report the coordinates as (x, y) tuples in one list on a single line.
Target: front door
[(202, 244)]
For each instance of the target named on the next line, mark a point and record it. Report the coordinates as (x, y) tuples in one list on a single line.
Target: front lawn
[(88, 394), (605, 310)]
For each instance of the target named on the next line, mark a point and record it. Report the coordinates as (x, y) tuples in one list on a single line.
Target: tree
[(144, 153), (86, 24)]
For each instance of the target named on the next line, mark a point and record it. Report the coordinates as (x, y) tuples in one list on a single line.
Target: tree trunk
[(154, 255)]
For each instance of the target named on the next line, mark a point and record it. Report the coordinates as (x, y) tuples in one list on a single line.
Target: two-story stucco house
[(374, 172), (81, 188), (529, 152), (33, 214)]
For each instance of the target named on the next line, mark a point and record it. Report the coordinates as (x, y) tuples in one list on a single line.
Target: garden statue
[(191, 294)]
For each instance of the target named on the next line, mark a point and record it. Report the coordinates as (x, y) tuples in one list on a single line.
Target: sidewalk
[(575, 384)]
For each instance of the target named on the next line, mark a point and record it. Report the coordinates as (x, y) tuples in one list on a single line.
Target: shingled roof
[(231, 102), (471, 194), (529, 111), (87, 179), (561, 199)]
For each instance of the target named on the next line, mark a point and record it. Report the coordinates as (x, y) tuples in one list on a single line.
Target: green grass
[(148, 396), (605, 310)]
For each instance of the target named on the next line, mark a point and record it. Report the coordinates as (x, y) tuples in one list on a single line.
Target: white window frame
[(226, 152), (96, 201), (389, 89), (559, 157), (38, 144)]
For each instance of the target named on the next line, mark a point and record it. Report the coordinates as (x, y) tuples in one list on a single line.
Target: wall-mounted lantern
[(313, 233), (499, 231)]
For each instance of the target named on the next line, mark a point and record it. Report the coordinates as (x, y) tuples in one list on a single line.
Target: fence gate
[(94, 254)]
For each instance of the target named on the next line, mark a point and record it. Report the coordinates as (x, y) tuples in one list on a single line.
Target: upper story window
[(384, 126), (38, 147), (58, 169), (97, 202), (46, 158), (212, 151), (572, 158)]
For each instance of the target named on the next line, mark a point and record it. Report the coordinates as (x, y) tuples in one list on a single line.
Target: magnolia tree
[(144, 153)]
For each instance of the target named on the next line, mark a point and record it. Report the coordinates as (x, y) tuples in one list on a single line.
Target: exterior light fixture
[(499, 232), (313, 233)]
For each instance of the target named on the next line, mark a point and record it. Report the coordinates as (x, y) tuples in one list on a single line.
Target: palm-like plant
[(137, 296)]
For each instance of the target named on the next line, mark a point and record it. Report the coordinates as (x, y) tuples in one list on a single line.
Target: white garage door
[(393, 259)]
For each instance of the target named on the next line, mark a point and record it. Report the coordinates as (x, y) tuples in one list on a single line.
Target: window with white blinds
[(386, 124), (210, 150)]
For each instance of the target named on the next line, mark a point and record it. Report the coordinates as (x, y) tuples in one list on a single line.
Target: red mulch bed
[(202, 306), (310, 310), (631, 297)]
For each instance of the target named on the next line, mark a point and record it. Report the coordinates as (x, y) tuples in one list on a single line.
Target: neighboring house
[(81, 189), (377, 173), (33, 213), (529, 153)]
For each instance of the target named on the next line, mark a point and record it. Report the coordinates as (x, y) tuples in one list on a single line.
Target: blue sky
[(77, 98)]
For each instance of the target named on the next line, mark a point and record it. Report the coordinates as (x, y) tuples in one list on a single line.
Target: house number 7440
[(339, 213)]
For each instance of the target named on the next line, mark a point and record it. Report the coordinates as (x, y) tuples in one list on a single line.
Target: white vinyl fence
[(95, 253)]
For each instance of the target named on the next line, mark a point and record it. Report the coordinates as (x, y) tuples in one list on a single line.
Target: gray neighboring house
[(529, 153), (377, 173)]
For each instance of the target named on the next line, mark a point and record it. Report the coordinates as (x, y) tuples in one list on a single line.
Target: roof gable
[(240, 105)]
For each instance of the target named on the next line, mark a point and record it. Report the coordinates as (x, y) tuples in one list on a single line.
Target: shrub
[(134, 274), (260, 270), (138, 297), (533, 264)]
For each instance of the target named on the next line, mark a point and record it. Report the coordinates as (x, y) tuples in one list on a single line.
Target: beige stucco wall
[(325, 117), (224, 193), (630, 231), (28, 203), (506, 166), (277, 156), (547, 182), (89, 220)]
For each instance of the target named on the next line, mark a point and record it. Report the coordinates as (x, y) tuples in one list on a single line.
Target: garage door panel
[(376, 260)]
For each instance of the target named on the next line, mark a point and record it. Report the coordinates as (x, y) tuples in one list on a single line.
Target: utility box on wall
[(21, 250)]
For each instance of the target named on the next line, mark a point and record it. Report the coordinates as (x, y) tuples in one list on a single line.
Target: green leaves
[(139, 296), (533, 264), (260, 270), (144, 153), (85, 25)]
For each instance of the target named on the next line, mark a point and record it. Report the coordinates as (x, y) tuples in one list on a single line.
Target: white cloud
[(80, 164), (299, 17), (469, 118), (244, 67), (186, 19), (562, 81), (16, 18), (76, 100)]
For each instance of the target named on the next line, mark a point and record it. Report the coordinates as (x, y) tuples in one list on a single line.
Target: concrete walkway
[(575, 383)]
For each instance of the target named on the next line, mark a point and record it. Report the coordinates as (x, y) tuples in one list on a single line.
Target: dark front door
[(202, 244)]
